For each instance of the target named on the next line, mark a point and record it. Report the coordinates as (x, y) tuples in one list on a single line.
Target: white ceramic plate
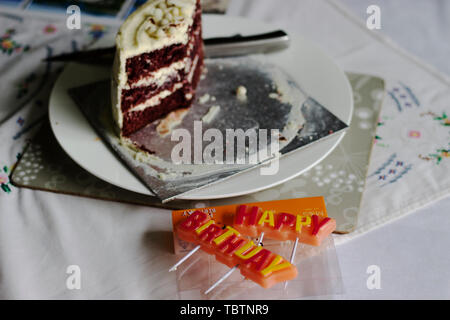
[(315, 72)]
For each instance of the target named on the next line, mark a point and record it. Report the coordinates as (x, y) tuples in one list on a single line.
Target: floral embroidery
[(392, 170), (404, 171), (8, 45), (397, 102), (29, 127), (441, 153), (411, 95), (404, 97), (96, 31), (378, 139), (385, 165), (414, 134), (25, 85), (20, 121), (4, 180), (49, 29), (443, 119), (438, 156)]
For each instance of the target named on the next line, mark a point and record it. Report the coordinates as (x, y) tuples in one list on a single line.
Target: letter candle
[(230, 248), (235, 251), (281, 226), (284, 226), (226, 275), (194, 221), (309, 229)]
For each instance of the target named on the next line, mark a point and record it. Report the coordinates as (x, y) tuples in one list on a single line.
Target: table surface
[(411, 252)]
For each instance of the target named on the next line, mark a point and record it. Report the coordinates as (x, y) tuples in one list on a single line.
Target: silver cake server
[(239, 45), (221, 47)]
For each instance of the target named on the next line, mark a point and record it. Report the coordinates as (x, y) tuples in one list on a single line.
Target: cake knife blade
[(220, 47)]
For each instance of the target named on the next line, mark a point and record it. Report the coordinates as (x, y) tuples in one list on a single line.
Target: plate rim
[(188, 196)]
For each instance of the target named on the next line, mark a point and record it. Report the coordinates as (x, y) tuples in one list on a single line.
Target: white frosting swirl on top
[(155, 25)]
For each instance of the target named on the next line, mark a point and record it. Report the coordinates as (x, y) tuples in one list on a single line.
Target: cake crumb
[(172, 120), (241, 93), (204, 99), (211, 114), (274, 95)]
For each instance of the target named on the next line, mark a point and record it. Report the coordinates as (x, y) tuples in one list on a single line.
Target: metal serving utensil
[(221, 47)]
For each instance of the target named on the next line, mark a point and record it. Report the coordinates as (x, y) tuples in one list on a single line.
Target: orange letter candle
[(255, 263), (283, 226)]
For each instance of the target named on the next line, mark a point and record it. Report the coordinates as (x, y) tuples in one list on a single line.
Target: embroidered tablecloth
[(124, 250)]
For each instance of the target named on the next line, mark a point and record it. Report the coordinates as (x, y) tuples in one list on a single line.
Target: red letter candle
[(230, 248)]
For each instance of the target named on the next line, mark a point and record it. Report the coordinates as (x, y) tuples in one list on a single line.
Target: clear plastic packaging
[(318, 275)]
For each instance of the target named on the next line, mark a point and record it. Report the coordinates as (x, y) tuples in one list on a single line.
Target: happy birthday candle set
[(226, 233)]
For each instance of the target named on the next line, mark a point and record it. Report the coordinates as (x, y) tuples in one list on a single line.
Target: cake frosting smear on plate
[(158, 62)]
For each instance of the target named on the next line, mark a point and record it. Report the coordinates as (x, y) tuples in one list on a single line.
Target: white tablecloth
[(123, 251), (411, 252)]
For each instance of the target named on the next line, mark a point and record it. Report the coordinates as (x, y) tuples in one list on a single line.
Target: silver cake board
[(273, 101)]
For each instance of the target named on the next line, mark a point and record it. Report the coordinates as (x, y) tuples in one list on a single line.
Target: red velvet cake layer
[(136, 96), (135, 120)]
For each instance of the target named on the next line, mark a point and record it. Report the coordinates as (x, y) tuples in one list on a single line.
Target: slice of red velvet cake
[(158, 63)]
